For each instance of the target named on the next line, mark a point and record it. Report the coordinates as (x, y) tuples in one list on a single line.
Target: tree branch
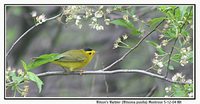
[(168, 63), (151, 92), (25, 33), (102, 72), (133, 48)]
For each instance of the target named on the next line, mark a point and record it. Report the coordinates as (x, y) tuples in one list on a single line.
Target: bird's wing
[(72, 56)]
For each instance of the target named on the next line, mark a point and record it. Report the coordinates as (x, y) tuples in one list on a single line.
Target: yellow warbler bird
[(74, 60)]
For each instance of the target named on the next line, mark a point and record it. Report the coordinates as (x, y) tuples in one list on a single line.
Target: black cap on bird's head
[(88, 49)]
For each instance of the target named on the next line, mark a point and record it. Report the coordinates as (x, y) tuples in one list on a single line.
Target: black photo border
[(101, 98)]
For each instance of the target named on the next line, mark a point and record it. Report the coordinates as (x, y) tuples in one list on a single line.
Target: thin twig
[(133, 48), (106, 84), (168, 63), (25, 33), (20, 38), (94, 77), (101, 72), (150, 93)]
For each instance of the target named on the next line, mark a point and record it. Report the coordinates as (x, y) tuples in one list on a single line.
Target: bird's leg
[(71, 71), (68, 71), (65, 70), (81, 71)]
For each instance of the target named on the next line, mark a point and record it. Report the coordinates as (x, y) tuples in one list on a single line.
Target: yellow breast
[(72, 66)]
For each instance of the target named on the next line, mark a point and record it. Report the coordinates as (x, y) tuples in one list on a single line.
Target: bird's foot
[(81, 71), (64, 70)]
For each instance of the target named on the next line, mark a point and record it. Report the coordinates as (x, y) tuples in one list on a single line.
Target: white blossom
[(133, 16), (40, 19), (187, 38), (166, 26), (125, 36), (9, 68), (116, 45), (99, 14), (168, 21), (168, 89), (189, 81), (164, 42), (159, 71), (78, 23), (78, 17), (189, 48), (191, 26), (19, 71), (125, 17), (183, 60), (183, 50), (33, 13), (118, 40), (107, 21), (135, 19), (155, 61), (108, 10), (158, 46), (160, 64), (178, 77), (94, 19), (156, 55), (190, 94), (161, 36), (99, 27)]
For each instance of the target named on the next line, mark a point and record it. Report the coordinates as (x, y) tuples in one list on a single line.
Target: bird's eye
[(90, 53)]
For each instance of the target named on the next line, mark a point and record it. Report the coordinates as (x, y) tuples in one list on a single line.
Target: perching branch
[(133, 48), (25, 33), (102, 72)]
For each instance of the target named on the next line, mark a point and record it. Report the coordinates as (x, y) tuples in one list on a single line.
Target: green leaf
[(43, 59), (24, 66), (176, 58), (170, 33), (177, 14), (15, 78), (179, 90), (183, 10), (123, 23), (155, 21), (171, 67), (134, 31), (13, 75), (184, 32), (126, 24), (154, 44), (190, 56), (188, 87), (33, 77), (159, 50), (179, 93), (19, 79)]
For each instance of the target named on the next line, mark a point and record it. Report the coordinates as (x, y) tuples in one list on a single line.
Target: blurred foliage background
[(56, 37)]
